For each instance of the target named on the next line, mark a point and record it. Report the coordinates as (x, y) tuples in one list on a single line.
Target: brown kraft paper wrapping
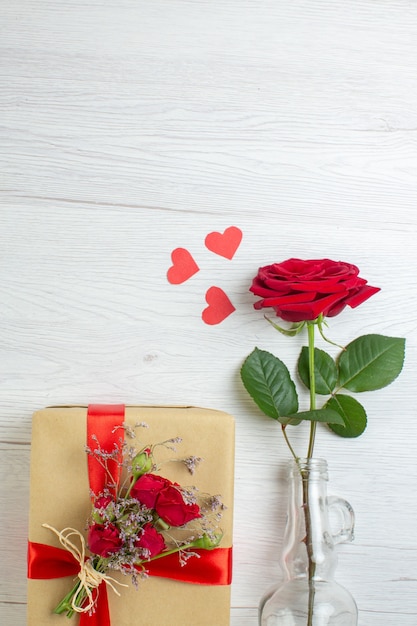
[(59, 496)]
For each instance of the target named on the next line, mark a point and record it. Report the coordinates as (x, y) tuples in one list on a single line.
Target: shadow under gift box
[(59, 496)]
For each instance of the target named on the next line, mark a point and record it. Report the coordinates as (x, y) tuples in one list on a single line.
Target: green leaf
[(268, 382), (371, 362), (326, 415), (325, 370), (352, 412)]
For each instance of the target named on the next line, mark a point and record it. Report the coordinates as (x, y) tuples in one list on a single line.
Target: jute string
[(89, 577)]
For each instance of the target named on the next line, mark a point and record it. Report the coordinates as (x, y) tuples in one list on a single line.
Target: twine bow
[(90, 578)]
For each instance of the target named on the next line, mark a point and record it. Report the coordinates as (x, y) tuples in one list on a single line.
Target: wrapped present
[(64, 481)]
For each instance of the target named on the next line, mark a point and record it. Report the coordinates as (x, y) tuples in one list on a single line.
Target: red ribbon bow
[(213, 567)]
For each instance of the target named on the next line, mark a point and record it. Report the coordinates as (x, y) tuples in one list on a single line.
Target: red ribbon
[(211, 567), (104, 430), (46, 562)]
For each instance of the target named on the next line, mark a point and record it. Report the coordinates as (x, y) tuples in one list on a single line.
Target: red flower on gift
[(104, 539), (151, 540), (301, 290), (147, 489), (156, 492), (173, 509)]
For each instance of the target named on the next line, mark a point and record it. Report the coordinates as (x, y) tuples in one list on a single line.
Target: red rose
[(151, 540), (104, 539), (302, 290), (172, 508), (146, 489)]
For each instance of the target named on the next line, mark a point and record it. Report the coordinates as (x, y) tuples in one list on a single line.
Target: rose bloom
[(151, 540), (172, 508), (104, 539), (300, 290), (147, 488)]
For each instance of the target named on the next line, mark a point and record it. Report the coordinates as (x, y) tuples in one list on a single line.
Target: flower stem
[(172, 551), (313, 425), (306, 484), (287, 441), (78, 595), (127, 494), (65, 606), (311, 572)]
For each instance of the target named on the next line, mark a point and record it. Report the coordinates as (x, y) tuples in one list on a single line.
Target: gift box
[(60, 497)]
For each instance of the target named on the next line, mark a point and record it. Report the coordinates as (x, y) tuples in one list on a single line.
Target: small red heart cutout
[(225, 244), (219, 306), (183, 266)]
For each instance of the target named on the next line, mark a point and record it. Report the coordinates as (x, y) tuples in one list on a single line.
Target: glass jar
[(309, 594)]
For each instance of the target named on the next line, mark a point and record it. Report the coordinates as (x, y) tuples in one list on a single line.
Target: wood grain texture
[(131, 128)]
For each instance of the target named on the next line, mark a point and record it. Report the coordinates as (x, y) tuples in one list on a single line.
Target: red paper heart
[(183, 266), (219, 306), (225, 244)]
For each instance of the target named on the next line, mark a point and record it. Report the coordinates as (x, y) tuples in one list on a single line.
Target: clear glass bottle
[(309, 595)]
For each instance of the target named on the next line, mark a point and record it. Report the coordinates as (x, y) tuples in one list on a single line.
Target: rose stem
[(284, 432), (313, 425), (310, 549)]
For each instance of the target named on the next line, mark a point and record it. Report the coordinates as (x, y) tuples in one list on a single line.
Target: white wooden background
[(130, 128)]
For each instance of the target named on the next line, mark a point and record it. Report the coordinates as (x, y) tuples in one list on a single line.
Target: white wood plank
[(131, 128), (322, 108)]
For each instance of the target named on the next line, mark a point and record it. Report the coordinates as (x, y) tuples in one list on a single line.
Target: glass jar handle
[(345, 511)]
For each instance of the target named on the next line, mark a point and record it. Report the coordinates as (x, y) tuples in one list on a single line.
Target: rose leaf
[(325, 415), (325, 370), (371, 362), (268, 381), (352, 412)]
